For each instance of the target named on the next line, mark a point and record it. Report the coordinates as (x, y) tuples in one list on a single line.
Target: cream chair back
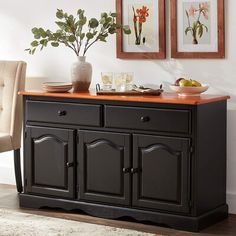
[(12, 79)]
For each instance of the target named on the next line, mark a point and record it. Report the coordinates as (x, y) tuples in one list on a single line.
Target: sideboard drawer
[(66, 113), (163, 120)]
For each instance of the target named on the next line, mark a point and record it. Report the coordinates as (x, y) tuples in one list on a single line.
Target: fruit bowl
[(189, 90)]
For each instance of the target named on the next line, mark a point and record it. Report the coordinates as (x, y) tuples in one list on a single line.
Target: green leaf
[(188, 29), (194, 26), (57, 35), (113, 14), (34, 43), (42, 33), (59, 14), (89, 35), (43, 42), (104, 15), (82, 21), (200, 31), (205, 27), (71, 38), (112, 30), (81, 15), (79, 11), (187, 13), (108, 20), (82, 36), (126, 29), (68, 29), (33, 51), (55, 44), (37, 36), (102, 38), (102, 20), (61, 24), (93, 23), (35, 30)]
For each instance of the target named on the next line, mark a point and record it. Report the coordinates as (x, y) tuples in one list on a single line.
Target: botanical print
[(142, 24), (140, 17), (197, 23)]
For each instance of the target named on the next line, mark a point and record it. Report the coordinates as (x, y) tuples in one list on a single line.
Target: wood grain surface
[(168, 98)]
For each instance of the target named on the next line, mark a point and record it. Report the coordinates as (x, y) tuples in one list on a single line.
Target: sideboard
[(157, 159)]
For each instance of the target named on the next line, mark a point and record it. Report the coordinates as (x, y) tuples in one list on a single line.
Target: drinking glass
[(120, 82), (129, 76), (106, 79)]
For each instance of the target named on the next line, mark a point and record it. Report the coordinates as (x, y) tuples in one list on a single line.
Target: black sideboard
[(153, 159)]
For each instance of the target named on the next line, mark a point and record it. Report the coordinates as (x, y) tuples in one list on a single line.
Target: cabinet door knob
[(145, 118), (135, 170), (70, 164), (61, 113), (126, 170)]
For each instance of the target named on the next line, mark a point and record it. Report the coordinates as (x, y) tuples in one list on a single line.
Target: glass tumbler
[(106, 80), (120, 82), (129, 76)]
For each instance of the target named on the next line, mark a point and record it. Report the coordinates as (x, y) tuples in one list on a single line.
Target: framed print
[(197, 29), (146, 19)]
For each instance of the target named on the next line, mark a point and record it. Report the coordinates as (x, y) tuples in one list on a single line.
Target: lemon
[(195, 83), (185, 83)]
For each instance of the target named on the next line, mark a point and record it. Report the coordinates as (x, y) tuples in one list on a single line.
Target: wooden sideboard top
[(170, 98)]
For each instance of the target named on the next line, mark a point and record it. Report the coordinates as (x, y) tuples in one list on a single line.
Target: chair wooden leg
[(18, 170)]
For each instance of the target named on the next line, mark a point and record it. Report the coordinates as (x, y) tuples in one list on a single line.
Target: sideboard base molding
[(180, 222)]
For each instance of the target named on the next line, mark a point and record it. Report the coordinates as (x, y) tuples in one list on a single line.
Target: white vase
[(81, 74)]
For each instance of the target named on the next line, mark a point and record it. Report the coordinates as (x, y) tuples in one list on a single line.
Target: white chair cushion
[(5, 142)]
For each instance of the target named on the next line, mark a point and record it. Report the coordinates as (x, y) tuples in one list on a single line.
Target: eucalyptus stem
[(70, 31), (88, 46)]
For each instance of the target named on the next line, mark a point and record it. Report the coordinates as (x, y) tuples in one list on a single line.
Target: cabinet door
[(103, 162), (49, 160), (161, 173)]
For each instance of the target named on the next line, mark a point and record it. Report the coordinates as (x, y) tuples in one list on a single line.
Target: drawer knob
[(145, 119), (126, 170), (61, 113)]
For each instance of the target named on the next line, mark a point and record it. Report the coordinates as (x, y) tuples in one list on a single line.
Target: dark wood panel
[(161, 180), (163, 120), (102, 157), (49, 159), (210, 157), (113, 212), (50, 155), (9, 200), (59, 112)]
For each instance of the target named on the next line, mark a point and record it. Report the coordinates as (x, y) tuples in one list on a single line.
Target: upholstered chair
[(12, 79)]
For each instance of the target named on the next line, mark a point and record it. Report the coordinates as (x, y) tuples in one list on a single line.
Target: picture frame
[(146, 19), (201, 33)]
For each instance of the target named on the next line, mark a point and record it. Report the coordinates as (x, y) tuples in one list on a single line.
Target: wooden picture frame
[(138, 46), (212, 39)]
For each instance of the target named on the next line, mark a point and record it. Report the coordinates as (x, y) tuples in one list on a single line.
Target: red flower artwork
[(140, 17)]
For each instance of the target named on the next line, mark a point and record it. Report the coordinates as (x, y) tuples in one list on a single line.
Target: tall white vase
[(81, 74)]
